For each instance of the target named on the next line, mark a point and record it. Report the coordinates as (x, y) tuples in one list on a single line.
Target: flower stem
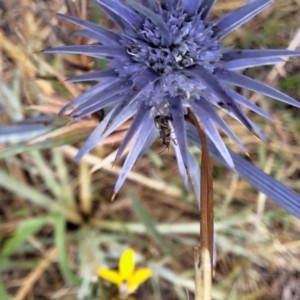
[(203, 255)]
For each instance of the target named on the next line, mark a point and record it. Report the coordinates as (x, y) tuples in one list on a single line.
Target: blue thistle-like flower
[(166, 59)]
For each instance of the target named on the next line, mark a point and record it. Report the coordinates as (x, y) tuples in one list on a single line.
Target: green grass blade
[(34, 196), (25, 229), (61, 244), (3, 294), (47, 174), (59, 162), (147, 220)]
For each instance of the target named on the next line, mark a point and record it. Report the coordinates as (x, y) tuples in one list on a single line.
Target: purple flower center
[(193, 42)]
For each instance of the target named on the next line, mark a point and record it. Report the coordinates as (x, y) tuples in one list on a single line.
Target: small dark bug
[(187, 115), (162, 123)]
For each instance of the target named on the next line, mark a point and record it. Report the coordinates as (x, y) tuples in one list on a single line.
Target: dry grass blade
[(23, 62), (135, 177), (35, 275)]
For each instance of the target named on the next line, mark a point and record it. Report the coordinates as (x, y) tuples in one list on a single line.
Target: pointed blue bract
[(181, 167), (155, 18), (93, 139), (80, 113), (169, 4), (88, 94), (235, 19), (150, 140), (247, 103), (149, 3), (118, 20), (205, 7), (144, 81), (117, 120), (127, 15), (194, 171), (241, 64), (206, 109), (214, 86), (177, 112), (167, 59), (141, 138), (119, 88), (191, 6), (94, 76), (234, 55), (250, 84), (104, 35), (263, 182), (106, 52), (214, 136), (135, 125)]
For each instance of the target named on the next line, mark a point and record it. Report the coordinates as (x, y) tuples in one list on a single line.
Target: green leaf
[(155, 158), (60, 241), (3, 294), (25, 229)]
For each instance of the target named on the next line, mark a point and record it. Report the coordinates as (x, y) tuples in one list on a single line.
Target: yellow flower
[(127, 279)]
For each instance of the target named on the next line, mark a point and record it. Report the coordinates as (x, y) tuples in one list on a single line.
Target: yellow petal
[(138, 278), (111, 276), (127, 264)]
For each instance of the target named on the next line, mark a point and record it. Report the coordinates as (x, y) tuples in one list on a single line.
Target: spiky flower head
[(166, 58)]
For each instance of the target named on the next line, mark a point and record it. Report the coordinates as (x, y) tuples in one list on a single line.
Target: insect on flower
[(162, 122), (168, 56)]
